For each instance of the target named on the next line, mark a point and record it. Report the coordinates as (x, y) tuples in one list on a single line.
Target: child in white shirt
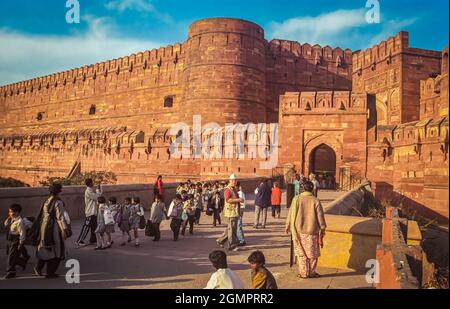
[(223, 278), (16, 235)]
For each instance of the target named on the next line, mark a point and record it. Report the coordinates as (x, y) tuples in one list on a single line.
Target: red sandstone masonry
[(227, 72), (227, 83), (394, 268), (302, 129)]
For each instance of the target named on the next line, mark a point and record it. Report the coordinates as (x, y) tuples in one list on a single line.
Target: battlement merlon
[(146, 58)]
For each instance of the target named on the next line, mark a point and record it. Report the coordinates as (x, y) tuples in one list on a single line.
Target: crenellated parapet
[(69, 139), (317, 55), (323, 102), (391, 71), (382, 52), (417, 139), (147, 60)]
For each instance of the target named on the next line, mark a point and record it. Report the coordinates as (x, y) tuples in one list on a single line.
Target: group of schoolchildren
[(204, 197), (185, 210), (127, 216), (207, 197)]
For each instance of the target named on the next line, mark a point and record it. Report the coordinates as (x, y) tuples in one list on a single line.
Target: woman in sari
[(49, 233), (306, 224)]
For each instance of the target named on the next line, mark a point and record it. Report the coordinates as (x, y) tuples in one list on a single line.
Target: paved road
[(182, 264)]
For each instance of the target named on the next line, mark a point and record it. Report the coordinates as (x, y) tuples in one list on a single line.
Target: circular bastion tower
[(224, 73)]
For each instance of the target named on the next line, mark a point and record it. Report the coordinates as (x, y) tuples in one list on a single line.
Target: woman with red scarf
[(159, 189)]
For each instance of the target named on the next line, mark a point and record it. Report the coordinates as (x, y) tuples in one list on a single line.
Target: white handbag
[(184, 216), (109, 218), (66, 217)]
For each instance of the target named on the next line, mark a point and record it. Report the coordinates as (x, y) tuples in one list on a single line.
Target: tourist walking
[(216, 204), (297, 184), (16, 233), (123, 221), (231, 212), (306, 224), (100, 230), (206, 197), (316, 186), (157, 214), (109, 215), (159, 187), (189, 208), (276, 200), (176, 214), (240, 227), (136, 218), (262, 202), (198, 204), (49, 232), (90, 223)]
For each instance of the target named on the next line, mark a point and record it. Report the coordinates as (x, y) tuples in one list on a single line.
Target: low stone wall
[(351, 241), (31, 199), (399, 257), (351, 202)]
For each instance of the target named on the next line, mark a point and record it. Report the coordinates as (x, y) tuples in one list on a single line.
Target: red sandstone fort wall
[(224, 77), (226, 72), (127, 92), (409, 161), (410, 165), (392, 129), (434, 92), (295, 67), (392, 72)]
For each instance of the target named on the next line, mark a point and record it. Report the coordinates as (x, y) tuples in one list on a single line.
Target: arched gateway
[(322, 163)]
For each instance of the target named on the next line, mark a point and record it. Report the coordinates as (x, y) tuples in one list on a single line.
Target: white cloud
[(343, 28), (391, 28), (319, 29), (137, 5), (144, 6), (25, 56)]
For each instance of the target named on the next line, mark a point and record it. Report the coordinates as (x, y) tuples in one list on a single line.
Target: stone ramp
[(328, 196), (325, 196)]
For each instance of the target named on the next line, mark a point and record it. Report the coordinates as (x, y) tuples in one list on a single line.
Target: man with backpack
[(231, 211)]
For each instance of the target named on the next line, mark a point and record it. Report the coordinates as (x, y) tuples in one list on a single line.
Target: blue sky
[(35, 39)]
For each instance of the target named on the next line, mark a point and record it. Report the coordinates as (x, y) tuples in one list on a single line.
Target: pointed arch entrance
[(322, 163)]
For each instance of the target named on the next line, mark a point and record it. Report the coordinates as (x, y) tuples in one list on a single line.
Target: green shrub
[(11, 183), (78, 180)]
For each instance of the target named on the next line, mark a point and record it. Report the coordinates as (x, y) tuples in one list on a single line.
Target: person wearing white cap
[(231, 212)]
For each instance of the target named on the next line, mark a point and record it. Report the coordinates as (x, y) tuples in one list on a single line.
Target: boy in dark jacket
[(216, 204)]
